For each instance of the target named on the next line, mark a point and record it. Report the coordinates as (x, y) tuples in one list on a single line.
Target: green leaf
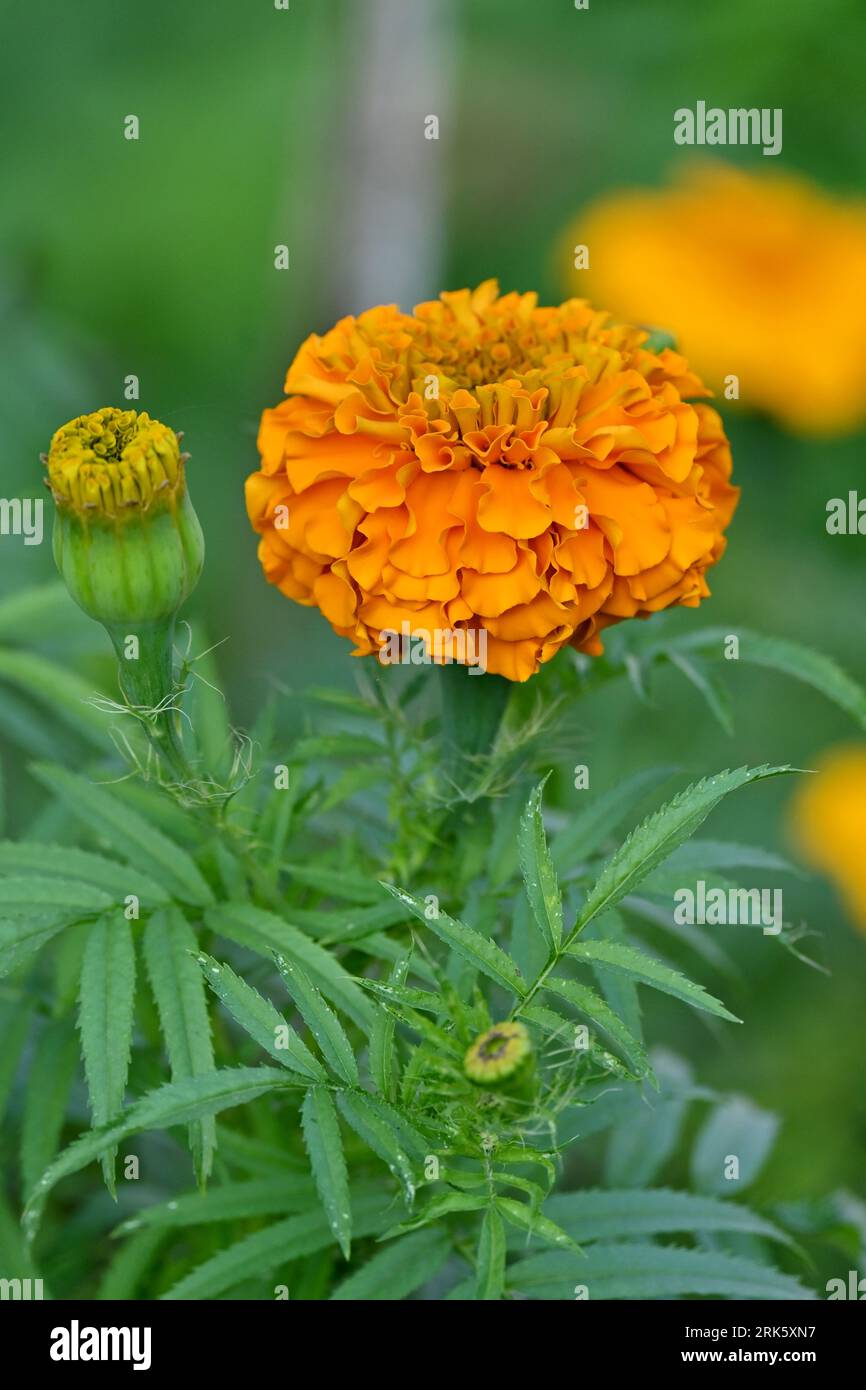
[(129, 833), (735, 1128), (611, 1215), (59, 861), (258, 1017), (534, 1223), (234, 1201), (59, 690), (15, 1020), (705, 682), (616, 955), (379, 1135), (122, 1275), (657, 836), (539, 876), (259, 1254), (266, 933), (445, 1204), (49, 1080), (176, 1103), (22, 937), (398, 1270), (325, 1148), (706, 856), (791, 659), (635, 1269), (335, 883), (321, 1020), (105, 1015), (479, 950), (383, 1052), (644, 1138), (35, 614), (490, 1265), (599, 816), (169, 942), (26, 897), (599, 1012)]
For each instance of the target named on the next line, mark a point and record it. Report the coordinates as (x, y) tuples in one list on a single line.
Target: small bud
[(502, 1054), (126, 538), (129, 547)]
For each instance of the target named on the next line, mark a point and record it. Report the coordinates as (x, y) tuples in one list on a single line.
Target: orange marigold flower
[(483, 463), (761, 276), (830, 824)]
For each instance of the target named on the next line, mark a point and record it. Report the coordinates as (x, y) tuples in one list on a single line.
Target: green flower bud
[(126, 538), (499, 1057), (130, 549)]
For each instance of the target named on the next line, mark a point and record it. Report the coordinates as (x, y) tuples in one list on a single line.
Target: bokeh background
[(305, 127)]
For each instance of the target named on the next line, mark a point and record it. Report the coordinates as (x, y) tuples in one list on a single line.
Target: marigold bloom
[(830, 824), (762, 276), (484, 463), (498, 1055)]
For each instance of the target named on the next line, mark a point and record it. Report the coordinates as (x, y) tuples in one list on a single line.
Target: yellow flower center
[(114, 463)]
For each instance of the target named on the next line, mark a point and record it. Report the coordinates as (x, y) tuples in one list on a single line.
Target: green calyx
[(137, 568)]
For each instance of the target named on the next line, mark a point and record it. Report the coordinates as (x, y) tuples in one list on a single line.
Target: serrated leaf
[(335, 883), (259, 1018), (445, 1204), (106, 1005), (176, 1103), (599, 815), (539, 875), (233, 1201), (292, 1239), (534, 1223), (23, 936), (635, 1269), (369, 1125), (790, 658), (383, 1051), (266, 933), (169, 942), (134, 838), (321, 1020), (60, 861), (479, 950), (657, 836), (616, 955), (611, 1215), (46, 1096), (593, 1007), (490, 1264), (26, 897), (398, 1270), (325, 1148)]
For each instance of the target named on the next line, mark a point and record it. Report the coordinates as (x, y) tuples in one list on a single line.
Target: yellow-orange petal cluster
[(830, 824), (484, 463), (760, 276)]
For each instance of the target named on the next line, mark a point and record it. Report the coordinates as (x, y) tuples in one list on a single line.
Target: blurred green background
[(305, 127)]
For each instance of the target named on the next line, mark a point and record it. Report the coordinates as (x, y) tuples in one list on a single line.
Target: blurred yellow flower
[(759, 276), (830, 824)]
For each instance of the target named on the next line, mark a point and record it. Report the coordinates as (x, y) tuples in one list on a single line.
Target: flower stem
[(145, 655), (472, 710)]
